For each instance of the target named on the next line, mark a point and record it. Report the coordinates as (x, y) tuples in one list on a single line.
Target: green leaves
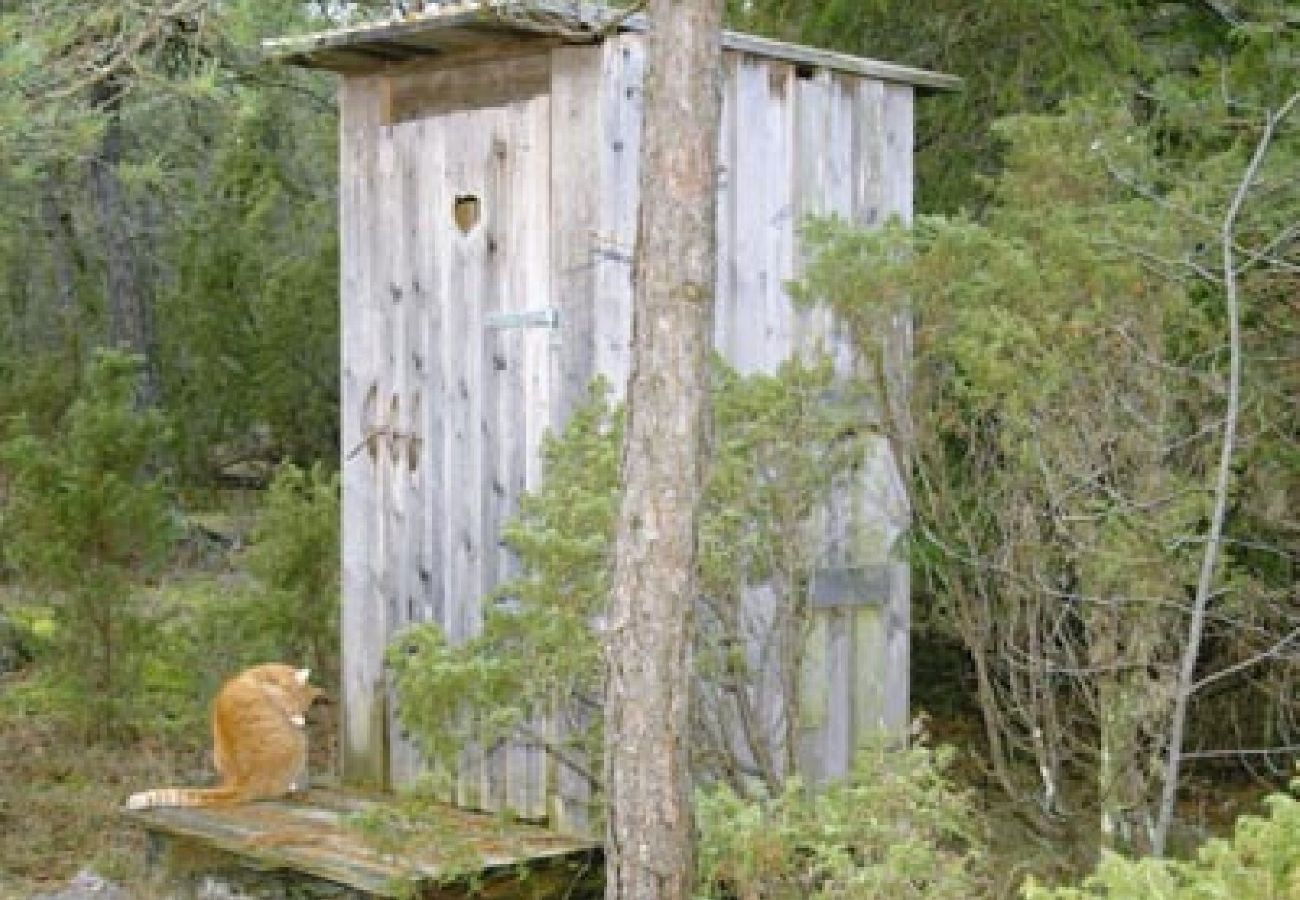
[(87, 516), (1261, 861), (895, 828), (1068, 393), (780, 442)]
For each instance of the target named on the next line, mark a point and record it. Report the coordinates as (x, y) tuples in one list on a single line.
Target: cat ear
[(302, 675)]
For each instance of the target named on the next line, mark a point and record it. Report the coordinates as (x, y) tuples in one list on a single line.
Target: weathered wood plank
[(741, 313), (493, 83), (622, 72), (575, 212), (364, 724), (321, 836), (725, 295), (779, 216), (387, 240), (404, 447), (449, 402), (813, 325), (841, 587), (432, 272), (838, 730), (869, 676), (501, 348), (897, 167), (468, 24), (897, 650), (869, 169), (576, 189), (813, 699), (839, 174), (530, 238)]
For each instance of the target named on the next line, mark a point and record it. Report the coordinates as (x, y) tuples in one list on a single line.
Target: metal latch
[(529, 318)]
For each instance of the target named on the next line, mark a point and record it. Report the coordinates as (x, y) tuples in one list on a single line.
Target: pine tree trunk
[(130, 325), (649, 832)]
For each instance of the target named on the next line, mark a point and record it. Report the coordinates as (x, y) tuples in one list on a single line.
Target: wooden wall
[(451, 372)]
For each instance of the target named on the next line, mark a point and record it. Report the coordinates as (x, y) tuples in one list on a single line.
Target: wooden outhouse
[(489, 159)]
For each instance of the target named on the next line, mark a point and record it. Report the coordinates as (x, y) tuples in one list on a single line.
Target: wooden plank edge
[(375, 876), (578, 22)]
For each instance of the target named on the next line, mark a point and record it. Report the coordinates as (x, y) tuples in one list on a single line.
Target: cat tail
[(218, 796)]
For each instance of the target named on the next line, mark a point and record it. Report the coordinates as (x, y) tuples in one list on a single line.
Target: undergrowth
[(62, 781)]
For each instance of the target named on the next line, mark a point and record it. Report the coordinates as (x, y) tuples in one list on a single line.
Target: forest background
[(1102, 424)]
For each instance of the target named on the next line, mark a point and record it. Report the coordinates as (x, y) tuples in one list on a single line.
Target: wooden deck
[(379, 848)]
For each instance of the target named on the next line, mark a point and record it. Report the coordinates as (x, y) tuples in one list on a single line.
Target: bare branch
[(1209, 561)]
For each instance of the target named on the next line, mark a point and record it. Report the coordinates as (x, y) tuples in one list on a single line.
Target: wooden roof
[(451, 28)]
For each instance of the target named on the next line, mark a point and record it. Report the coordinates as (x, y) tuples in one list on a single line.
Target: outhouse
[(488, 198)]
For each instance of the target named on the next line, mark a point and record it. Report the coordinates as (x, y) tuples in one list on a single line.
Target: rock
[(215, 889), (86, 885)]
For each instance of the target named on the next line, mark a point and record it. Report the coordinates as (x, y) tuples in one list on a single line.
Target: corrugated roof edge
[(569, 20)]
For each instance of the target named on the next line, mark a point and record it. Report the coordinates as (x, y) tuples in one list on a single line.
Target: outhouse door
[(448, 384)]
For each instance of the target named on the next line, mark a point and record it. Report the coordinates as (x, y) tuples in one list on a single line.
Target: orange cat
[(258, 737)]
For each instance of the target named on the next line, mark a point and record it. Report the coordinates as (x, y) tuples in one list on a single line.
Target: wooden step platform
[(378, 847)]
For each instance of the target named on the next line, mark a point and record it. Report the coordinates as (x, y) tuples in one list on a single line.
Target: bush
[(896, 828), (778, 448), (86, 518), (295, 558), (1260, 862)]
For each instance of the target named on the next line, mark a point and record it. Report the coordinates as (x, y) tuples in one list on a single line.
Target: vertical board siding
[(541, 360), (577, 151), (623, 69), (407, 313), (896, 172), (576, 78), (444, 413), (815, 328), (364, 725), (738, 316), (897, 650)]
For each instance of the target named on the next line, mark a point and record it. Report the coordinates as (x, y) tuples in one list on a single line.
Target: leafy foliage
[(183, 191), (295, 557), (87, 517), (536, 643), (1065, 412), (779, 448), (895, 828), (1261, 861), (1013, 58)]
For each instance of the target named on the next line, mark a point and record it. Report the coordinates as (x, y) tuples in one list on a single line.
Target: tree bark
[(649, 829), (130, 324)]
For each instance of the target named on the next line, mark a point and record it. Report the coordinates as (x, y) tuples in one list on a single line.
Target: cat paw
[(138, 801)]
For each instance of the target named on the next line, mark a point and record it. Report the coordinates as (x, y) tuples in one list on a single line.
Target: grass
[(59, 796), (60, 793), (61, 787)]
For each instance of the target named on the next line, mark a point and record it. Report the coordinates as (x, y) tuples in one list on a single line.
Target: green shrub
[(86, 520), (896, 828), (536, 641), (295, 559), (778, 447), (1260, 862)]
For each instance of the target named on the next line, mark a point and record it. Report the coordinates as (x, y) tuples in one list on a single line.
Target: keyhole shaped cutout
[(466, 212)]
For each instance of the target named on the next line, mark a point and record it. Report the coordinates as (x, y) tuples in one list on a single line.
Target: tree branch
[(1191, 650)]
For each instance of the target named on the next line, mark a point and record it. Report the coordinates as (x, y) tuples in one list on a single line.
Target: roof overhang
[(478, 26)]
